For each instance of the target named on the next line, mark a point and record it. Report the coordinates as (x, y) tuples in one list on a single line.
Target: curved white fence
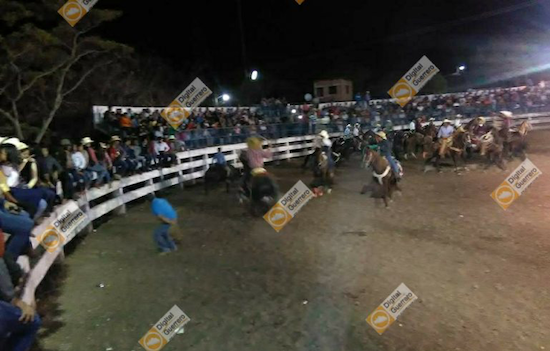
[(191, 165)]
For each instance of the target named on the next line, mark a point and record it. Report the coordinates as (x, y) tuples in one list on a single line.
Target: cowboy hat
[(324, 134), (102, 145), (382, 135), (481, 120), (506, 114), (65, 142), (22, 146), (446, 121), (86, 140), (11, 141), (115, 138), (254, 143), (172, 137), (258, 171)]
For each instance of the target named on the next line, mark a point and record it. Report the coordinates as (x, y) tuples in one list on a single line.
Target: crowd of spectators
[(274, 118)]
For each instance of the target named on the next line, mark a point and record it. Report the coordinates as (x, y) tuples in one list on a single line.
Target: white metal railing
[(191, 165)]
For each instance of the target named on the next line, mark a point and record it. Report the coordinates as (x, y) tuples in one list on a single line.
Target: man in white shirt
[(445, 136), (164, 157)]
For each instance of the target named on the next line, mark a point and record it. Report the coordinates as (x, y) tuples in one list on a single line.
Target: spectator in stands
[(49, 169), (71, 180), (105, 160), (80, 164), (118, 157), (19, 322), (162, 152), (28, 173), (175, 144), (94, 166)]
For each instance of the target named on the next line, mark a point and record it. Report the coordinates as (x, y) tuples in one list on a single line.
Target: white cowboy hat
[(446, 121), (86, 140), (11, 141), (506, 114), (22, 146), (382, 135), (103, 145), (115, 138), (481, 120), (172, 137), (324, 134)]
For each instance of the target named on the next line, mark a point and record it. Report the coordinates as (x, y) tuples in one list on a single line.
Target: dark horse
[(343, 147), (217, 174), (384, 182), (264, 193)]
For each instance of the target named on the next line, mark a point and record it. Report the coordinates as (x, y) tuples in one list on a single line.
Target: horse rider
[(445, 136), (507, 118), (220, 161), (255, 156), (347, 132), (317, 146), (356, 130), (385, 150)]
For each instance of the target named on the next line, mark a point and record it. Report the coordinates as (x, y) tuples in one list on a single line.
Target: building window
[(333, 90), (320, 92)]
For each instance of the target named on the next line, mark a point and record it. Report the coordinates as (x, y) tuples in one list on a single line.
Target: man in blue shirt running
[(168, 217)]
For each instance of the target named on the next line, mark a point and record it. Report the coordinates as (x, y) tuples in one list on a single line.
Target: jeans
[(393, 165), (14, 335), (102, 174), (163, 239), (20, 227)]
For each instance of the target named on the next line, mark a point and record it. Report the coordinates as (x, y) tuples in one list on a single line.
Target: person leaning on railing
[(19, 322)]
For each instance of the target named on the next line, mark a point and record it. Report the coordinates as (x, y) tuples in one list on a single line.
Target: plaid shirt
[(256, 157)]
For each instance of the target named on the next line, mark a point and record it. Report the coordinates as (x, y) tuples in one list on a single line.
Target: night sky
[(372, 42)]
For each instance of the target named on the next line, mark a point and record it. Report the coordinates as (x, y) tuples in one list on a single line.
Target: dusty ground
[(481, 274)]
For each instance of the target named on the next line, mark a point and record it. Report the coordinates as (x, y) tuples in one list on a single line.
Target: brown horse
[(430, 132), (412, 142), (456, 151), (492, 145), (384, 182), (517, 141)]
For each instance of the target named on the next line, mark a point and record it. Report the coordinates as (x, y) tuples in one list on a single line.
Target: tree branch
[(84, 76)]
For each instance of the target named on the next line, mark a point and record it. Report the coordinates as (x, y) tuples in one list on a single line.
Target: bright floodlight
[(226, 97), (254, 75), (293, 110), (462, 68)]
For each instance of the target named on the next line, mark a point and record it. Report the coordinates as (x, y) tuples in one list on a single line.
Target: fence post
[(90, 227), (288, 150), (121, 210), (180, 173)]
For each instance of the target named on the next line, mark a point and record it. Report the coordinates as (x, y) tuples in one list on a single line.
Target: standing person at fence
[(220, 161), (168, 217)]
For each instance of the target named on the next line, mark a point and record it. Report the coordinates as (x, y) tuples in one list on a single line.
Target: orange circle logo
[(402, 91), (153, 341), (73, 11), (380, 319), (51, 239), (505, 195), (277, 217)]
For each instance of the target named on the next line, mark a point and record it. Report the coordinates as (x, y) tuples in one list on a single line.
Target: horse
[(264, 193), (343, 147), (217, 174), (430, 132), (323, 173), (412, 142), (456, 150), (517, 143), (384, 181), (492, 145), (398, 139)]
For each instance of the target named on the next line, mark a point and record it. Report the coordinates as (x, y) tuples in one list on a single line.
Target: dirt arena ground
[(481, 274)]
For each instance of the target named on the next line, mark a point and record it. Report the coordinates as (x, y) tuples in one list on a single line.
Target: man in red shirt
[(94, 165)]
